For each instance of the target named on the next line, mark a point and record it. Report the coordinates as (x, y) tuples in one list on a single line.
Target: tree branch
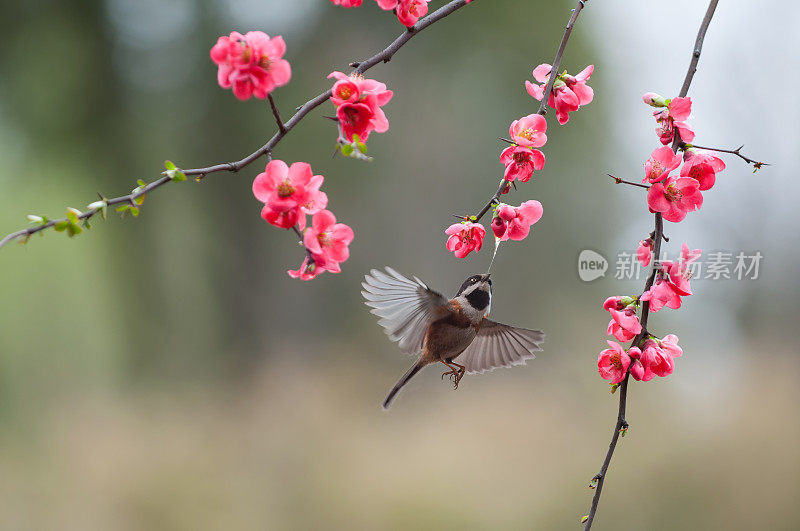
[(276, 114), (559, 54), (617, 180), (756, 164), (283, 128), (543, 106), (658, 234)]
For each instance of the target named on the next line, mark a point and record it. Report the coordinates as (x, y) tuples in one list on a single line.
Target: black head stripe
[(467, 283), (478, 299)]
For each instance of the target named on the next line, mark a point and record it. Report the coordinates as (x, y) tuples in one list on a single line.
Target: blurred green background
[(166, 373)]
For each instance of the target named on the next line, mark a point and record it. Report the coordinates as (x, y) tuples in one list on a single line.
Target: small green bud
[(73, 215)]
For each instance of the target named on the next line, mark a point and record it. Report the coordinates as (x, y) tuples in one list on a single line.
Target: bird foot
[(455, 376)]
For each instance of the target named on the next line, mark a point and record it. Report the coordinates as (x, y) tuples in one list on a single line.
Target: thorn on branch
[(617, 180)]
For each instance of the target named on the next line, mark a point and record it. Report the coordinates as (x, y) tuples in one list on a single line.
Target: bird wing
[(499, 345), (406, 307)]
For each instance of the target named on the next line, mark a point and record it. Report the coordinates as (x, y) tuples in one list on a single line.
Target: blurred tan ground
[(296, 447)]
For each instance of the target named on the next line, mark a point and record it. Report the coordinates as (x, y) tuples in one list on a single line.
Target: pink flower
[(514, 223), (345, 91), (359, 101), (284, 219), (464, 238), (355, 119), (673, 117), (654, 100), (701, 166), (624, 324), (613, 362), (568, 94), (674, 198), (661, 294), (282, 187), (619, 333), (288, 193), (661, 162), (645, 251), (658, 362), (308, 269), (638, 367), (529, 131), (679, 273), (252, 64), (410, 11), (657, 358), (617, 302), (328, 239), (670, 346), (347, 3), (520, 162)]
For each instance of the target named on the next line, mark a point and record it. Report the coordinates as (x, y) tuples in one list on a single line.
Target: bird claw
[(455, 376)]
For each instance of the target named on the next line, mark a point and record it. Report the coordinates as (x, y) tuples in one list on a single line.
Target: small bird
[(454, 332)]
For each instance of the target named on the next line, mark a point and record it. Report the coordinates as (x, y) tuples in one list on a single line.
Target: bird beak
[(486, 276)]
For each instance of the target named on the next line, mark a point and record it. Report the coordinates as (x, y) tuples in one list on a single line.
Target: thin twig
[(302, 111), (657, 237), (493, 200), (756, 164), (299, 233), (276, 114), (617, 180), (559, 54)]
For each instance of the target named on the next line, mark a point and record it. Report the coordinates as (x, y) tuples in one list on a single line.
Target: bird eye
[(473, 280)]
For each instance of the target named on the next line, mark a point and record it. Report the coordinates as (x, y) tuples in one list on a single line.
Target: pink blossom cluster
[(521, 159), (358, 104), (514, 223), (671, 117), (675, 196), (251, 64), (568, 94), (408, 11), (289, 194), (655, 357)]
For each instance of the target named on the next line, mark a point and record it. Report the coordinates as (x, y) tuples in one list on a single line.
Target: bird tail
[(400, 383)]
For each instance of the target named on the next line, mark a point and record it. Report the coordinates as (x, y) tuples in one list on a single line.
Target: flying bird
[(455, 332)]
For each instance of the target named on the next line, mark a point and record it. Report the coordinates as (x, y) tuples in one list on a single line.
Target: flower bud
[(654, 100)]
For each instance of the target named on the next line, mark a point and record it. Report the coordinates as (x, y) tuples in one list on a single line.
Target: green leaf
[(139, 199), (168, 164), (141, 183), (73, 229), (362, 147), (179, 176), (347, 150), (61, 226), (73, 215), (134, 211)]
